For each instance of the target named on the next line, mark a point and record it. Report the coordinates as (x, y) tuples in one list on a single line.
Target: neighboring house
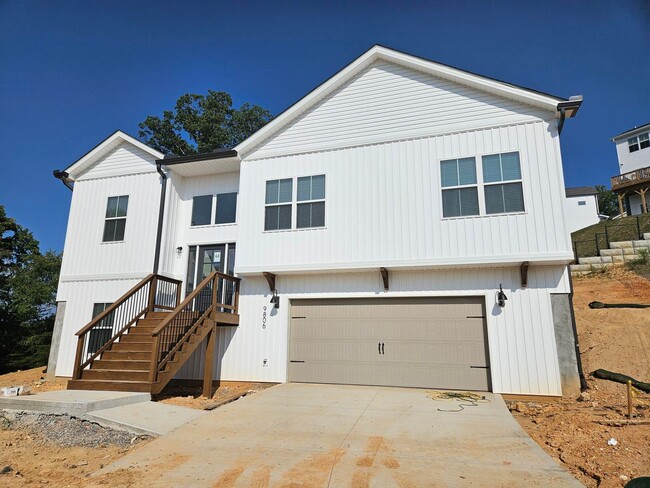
[(373, 225), (631, 186), (581, 206)]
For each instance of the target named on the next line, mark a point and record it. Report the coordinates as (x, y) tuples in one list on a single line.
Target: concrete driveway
[(347, 436)]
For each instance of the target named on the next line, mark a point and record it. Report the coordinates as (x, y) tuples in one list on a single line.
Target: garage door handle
[(379, 347), (382, 348)]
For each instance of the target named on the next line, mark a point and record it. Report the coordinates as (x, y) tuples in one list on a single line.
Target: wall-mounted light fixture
[(275, 299), (501, 297), (179, 250)]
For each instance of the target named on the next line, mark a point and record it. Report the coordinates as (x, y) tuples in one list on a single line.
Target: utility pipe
[(161, 215)]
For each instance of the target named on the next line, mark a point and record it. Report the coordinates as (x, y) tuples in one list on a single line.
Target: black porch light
[(501, 297), (275, 299)]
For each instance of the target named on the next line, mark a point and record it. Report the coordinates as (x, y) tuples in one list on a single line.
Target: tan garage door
[(417, 342)]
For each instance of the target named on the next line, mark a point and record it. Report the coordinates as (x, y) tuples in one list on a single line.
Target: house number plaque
[(264, 317)]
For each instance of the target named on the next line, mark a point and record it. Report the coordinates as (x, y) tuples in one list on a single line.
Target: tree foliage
[(201, 124), (28, 281), (607, 201)]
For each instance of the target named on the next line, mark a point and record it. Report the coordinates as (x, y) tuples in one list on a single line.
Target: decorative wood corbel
[(524, 274), (384, 276), (270, 279)]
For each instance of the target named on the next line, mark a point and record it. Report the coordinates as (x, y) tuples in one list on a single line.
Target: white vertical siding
[(387, 102), (85, 254), (523, 355), (383, 206), (80, 297), (126, 159), (581, 216)]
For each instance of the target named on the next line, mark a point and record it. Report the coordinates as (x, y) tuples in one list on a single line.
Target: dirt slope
[(613, 339)]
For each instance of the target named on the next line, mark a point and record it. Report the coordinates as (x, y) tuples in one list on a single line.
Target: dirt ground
[(31, 457), (617, 340)]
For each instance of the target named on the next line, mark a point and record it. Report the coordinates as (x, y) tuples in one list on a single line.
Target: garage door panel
[(427, 342)]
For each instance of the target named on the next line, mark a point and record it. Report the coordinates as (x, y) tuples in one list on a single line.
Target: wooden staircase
[(145, 353)]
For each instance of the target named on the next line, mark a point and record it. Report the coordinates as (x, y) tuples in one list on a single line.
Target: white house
[(402, 224), (581, 207), (631, 185)]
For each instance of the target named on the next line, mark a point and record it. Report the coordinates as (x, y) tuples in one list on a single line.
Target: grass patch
[(625, 229)]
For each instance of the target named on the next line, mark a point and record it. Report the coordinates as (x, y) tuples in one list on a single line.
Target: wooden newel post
[(236, 304), (153, 284), (209, 362), (215, 288), (76, 373)]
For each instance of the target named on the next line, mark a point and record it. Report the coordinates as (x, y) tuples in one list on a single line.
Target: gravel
[(65, 430)]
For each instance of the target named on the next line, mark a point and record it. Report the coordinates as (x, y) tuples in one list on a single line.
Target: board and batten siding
[(387, 102), (383, 206), (126, 159), (177, 229), (523, 355), (85, 255), (80, 297)]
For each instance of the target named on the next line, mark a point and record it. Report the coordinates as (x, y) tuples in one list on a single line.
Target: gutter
[(161, 214), (64, 177)]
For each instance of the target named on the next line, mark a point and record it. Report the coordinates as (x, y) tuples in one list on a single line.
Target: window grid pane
[(449, 173), (467, 171), (492, 168), (122, 206), (311, 215), (111, 207)]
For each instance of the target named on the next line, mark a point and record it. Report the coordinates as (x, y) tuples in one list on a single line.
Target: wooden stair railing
[(214, 300), (153, 293)]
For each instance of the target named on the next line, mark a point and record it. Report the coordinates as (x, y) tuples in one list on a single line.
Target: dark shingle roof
[(581, 191), (634, 129)]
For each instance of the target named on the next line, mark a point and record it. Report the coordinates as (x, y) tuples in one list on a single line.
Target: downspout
[(64, 177), (560, 124), (583, 381), (161, 214)]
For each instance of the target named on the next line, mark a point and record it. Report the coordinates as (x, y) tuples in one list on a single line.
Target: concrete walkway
[(133, 412), (347, 436)]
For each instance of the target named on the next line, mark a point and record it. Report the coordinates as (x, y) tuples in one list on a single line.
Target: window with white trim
[(310, 210), (638, 142), (502, 180), (115, 223), (460, 188), (278, 202), (206, 209)]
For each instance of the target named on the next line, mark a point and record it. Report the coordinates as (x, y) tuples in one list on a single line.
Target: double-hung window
[(311, 202), (115, 222), (459, 187), (278, 202), (502, 180), (638, 142)]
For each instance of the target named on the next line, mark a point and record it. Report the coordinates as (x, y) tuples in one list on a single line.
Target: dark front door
[(203, 260)]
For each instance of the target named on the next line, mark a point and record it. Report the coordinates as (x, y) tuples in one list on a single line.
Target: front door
[(203, 260)]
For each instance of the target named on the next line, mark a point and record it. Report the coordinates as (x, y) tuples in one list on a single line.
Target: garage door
[(416, 342)]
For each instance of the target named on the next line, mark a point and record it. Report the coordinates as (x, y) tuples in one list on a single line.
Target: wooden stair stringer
[(180, 358)]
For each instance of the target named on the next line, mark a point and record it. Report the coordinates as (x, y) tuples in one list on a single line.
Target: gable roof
[(103, 148), (631, 131), (521, 94)]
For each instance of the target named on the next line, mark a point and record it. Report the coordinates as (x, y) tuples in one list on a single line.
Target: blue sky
[(71, 72)]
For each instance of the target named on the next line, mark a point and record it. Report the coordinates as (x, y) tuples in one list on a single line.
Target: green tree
[(28, 281), (201, 124), (607, 201)]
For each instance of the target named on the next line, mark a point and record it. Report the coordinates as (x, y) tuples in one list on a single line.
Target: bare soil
[(191, 396), (571, 430), (33, 377)]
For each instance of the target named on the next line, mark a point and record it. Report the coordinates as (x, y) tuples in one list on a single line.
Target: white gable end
[(387, 101), (125, 159)]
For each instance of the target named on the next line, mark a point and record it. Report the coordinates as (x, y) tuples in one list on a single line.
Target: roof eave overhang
[(527, 96), (202, 164), (118, 137)]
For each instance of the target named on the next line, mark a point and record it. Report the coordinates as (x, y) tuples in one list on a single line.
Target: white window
[(204, 211), (498, 189), (502, 179), (277, 212), (638, 142), (460, 189), (115, 223), (311, 202)]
